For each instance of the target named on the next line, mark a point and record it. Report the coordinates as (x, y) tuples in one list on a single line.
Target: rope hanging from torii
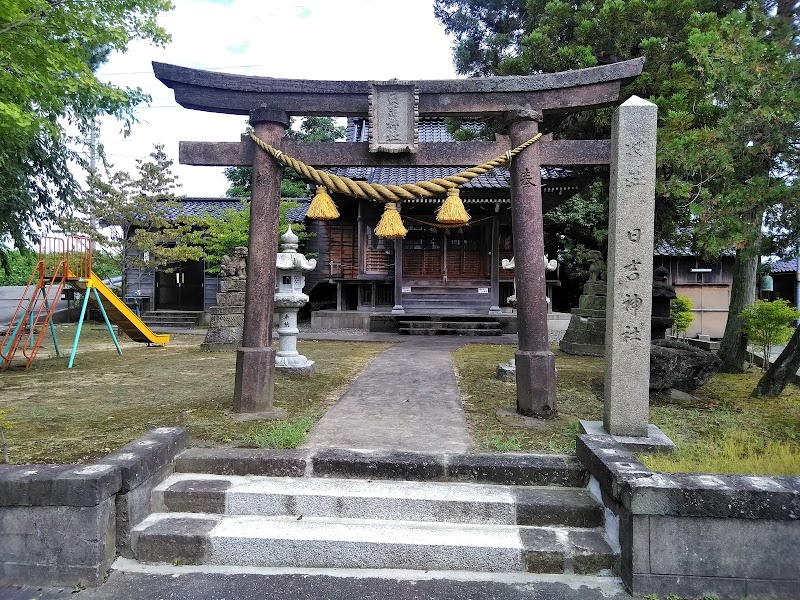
[(450, 212)]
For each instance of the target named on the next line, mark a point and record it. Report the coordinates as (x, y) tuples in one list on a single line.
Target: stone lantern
[(289, 297)]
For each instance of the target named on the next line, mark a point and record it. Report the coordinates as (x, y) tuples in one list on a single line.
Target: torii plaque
[(528, 103)]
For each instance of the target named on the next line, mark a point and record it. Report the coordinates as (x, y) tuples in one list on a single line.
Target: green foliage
[(724, 76), (767, 324), (573, 230), (135, 214), (281, 434), (680, 309), (49, 53), (19, 266), (309, 129), (218, 235), (105, 264)]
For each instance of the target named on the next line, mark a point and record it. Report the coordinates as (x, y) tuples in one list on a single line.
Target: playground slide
[(118, 312)]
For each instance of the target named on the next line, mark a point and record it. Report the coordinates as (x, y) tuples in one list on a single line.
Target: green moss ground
[(723, 430)]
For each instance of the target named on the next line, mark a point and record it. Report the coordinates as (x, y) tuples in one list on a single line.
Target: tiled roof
[(670, 249), (681, 250), (199, 207), (431, 129), (784, 266), (498, 178)]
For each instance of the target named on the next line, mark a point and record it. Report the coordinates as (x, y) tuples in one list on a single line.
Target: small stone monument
[(289, 297), (586, 333), (227, 317)]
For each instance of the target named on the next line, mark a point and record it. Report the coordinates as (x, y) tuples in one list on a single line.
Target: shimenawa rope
[(389, 193)]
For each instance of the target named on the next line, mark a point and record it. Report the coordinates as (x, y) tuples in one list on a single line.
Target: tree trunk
[(733, 347), (780, 373)]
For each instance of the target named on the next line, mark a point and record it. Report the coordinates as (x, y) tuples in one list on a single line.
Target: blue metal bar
[(52, 327), (80, 326), (105, 318)]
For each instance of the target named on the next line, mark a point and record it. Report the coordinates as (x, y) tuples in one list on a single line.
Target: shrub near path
[(722, 430), (107, 400)]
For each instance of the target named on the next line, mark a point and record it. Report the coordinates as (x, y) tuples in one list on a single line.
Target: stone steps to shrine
[(353, 510), (447, 327), (185, 319)]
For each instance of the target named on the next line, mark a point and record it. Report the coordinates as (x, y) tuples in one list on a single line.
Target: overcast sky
[(312, 39)]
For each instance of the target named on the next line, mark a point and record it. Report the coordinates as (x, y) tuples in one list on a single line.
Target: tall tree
[(139, 215), (48, 52), (723, 76), (310, 129)]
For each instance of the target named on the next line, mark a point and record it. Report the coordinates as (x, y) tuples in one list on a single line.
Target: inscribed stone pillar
[(536, 369), (255, 360), (630, 268)]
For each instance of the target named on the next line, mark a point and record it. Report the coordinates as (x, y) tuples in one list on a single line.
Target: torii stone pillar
[(255, 360), (536, 367)]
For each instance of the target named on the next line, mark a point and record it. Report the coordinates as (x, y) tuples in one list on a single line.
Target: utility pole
[(92, 166)]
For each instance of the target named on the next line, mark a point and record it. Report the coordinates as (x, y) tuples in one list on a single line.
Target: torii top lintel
[(567, 91)]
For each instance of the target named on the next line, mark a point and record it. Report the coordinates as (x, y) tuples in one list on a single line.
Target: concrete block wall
[(61, 525), (732, 536)]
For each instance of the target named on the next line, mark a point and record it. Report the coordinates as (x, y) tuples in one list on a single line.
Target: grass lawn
[(106, 400), (722, 431)]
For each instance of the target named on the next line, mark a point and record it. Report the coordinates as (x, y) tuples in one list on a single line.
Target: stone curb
[(91, 484), (147, 455), (644, 492), (508, 469)]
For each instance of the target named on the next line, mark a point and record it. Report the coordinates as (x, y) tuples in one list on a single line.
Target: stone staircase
[(444, 325), (346, 509), (183, 319), (454, 297)]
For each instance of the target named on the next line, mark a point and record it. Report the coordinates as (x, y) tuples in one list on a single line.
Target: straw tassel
[(390, 225), (452, 210), (322, 206)]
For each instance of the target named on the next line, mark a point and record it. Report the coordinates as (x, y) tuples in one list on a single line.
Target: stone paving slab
[(406, 399)]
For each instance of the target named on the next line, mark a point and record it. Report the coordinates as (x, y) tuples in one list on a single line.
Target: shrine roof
[(431, 129), (784, 266), (498, 179), (680, 250), (215, 207)]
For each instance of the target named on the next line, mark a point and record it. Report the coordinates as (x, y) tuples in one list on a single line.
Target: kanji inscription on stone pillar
[(630, 268)]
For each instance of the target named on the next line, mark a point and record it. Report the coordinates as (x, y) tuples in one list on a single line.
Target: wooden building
[(185, 286), (786, 280), (706, 283), (443, 269)]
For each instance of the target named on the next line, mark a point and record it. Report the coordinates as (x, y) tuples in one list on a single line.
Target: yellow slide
[(117, 311)]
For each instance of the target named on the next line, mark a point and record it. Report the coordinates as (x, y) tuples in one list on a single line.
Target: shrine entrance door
[(438, 253)]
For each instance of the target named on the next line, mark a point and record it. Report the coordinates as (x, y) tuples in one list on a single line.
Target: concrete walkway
[(406, 399)]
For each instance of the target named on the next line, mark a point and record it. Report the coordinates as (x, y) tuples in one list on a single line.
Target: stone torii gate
[(529, 104)]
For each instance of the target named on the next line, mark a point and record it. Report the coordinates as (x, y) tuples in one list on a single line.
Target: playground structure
[(66, 262)]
